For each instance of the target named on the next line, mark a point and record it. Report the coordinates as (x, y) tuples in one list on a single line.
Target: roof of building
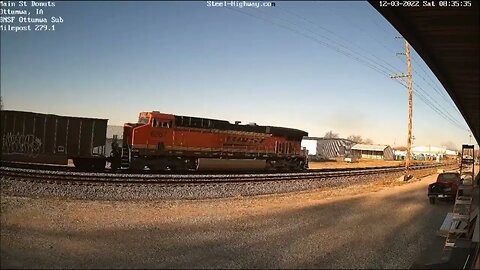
[(451, 152), (369, 147)]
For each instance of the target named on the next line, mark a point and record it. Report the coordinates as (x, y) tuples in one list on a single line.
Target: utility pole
[(410, 94)]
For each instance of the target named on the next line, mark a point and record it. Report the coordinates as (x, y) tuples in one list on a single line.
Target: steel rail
[(116, 178), (51, 167)]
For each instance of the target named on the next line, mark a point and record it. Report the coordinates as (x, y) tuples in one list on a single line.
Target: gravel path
[(375, 225)]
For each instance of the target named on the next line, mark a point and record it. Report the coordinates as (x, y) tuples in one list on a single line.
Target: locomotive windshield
[(143, 120)]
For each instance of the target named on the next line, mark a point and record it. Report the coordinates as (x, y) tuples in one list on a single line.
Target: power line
[(431, 106), (359, 57), (410, 105), (434, 101), (425, 72), (449, 102), (312, 38), (425, 97), (340, 37), (368, 64), (440, 93), (394, 70), (366, 32)]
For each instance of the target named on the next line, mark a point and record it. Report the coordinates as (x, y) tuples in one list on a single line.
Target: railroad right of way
[(104, 186)]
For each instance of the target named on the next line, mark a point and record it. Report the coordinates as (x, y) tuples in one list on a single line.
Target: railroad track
[(51, 167), (152, 186), (61, 176)]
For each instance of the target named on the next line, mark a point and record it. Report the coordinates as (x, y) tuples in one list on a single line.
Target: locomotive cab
[(156, 119), (146, 139)]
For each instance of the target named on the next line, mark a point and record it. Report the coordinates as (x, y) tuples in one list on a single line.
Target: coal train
[(52, 139), (158, 142)]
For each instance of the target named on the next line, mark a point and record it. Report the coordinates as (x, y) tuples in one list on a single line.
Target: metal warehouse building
[(372, 151), (322, 148)]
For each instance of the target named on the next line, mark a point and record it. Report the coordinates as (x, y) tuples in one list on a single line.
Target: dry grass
[(362, 163)]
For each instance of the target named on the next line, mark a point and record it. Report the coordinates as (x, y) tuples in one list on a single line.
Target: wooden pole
[(410, 94), (410, 106)]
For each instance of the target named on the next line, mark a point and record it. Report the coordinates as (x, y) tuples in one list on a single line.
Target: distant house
[(322, 148), (432, 152), (400, 154), (372, 151), (451, 154)]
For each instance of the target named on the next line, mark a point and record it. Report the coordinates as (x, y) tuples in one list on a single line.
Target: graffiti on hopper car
[(21, 144)]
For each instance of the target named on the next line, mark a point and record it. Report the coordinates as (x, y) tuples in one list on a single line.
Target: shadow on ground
[(361, 232)]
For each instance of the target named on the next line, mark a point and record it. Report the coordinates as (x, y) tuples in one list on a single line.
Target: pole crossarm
[(401, 75)]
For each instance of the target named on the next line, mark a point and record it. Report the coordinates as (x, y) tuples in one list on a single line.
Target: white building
[(372, 151), (426, 153), (322, 148), (310, 144), (432, 152)]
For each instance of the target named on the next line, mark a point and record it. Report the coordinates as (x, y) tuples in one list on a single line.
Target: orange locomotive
[(170, 142)]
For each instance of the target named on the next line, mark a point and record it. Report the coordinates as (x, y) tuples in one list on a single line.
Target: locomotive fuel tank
[(205, 164)]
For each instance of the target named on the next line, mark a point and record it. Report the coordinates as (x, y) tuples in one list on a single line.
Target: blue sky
[(268, 65)]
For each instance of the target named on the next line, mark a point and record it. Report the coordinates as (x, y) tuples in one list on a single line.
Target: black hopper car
[(53, 139)]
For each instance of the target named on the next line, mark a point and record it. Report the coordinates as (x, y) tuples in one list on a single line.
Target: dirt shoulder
[(361, 164), (312, 229), (19, 210)]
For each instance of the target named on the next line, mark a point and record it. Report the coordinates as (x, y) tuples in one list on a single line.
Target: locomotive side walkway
[(355, 227)]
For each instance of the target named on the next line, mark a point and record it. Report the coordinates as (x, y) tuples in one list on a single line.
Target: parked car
[(445, 187)]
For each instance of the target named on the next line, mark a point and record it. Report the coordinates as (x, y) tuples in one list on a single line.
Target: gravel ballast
[(386, 223), (153, 191)]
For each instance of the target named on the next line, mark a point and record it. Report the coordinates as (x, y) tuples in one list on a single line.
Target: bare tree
[(330, 135), (359, 139), (367, 141), (355, 138), (1, 103), (450, 145)]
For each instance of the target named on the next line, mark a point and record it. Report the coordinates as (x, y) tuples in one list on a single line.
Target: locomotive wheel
[(269, 166)]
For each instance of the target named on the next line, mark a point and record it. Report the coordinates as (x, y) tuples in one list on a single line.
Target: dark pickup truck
[(445, 187)]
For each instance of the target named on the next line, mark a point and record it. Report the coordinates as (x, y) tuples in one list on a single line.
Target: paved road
[(390, 228)]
